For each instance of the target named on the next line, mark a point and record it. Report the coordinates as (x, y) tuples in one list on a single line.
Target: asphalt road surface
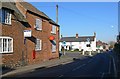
[(99, 66)]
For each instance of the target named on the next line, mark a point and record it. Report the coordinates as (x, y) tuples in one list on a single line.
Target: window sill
[(53, 33), (54, 52), (38, 29), (6, 52), (7, 24), (37, 50)]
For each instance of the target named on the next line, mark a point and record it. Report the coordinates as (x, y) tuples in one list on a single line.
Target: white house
[(83, 43)]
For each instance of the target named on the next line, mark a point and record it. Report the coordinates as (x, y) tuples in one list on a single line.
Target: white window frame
[(54, 47), (2, 48), (53, 29), (6, 16), (38, 24), (38, 45)]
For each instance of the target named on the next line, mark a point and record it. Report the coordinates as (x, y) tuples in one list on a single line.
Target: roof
[(79, 39), (12, 6), (31, 8), (100, 43)]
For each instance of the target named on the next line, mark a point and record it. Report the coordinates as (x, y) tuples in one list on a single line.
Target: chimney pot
[(76, 35), (95, 34)]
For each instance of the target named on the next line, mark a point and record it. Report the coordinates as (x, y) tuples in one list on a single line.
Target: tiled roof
[(79, 39), (12, 6), (31, 8)]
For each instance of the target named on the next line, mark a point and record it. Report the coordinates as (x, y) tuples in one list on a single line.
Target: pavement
[(63, 60)]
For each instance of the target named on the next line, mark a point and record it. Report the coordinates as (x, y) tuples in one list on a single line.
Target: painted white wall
[(81, 45)]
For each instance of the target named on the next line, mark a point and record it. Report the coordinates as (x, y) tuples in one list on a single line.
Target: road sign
[(27, 33)]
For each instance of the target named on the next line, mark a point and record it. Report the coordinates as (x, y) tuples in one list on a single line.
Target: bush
[(76, 50)]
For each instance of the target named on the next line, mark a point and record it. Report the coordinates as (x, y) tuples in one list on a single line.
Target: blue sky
[(84, 18)]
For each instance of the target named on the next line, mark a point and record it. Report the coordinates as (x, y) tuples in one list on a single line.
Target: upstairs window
[(38, 24), (53, 29), (6, 45), (6, 16), (38, 45)]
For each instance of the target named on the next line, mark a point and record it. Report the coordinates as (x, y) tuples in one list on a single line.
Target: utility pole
[(57, 14)]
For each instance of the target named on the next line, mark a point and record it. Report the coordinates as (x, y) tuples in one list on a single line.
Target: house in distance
[(81, 43)]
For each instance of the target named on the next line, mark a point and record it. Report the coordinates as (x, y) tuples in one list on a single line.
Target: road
[(99, 66)]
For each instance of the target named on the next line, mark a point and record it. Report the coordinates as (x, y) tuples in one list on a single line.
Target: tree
[(111, 43)]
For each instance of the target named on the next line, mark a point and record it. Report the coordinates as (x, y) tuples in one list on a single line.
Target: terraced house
[(28, 35)]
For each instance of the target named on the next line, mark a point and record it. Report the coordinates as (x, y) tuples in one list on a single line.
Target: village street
[(101, 65)]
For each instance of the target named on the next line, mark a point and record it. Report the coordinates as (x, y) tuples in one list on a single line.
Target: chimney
[(95, 34), (76, 35)]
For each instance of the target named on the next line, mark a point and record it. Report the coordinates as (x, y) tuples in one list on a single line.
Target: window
[(0, 45), (6, 16), (54, 46), (38, 45), (53, 29), (38, 24), (6, 45)]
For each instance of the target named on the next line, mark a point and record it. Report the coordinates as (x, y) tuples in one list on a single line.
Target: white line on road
[(102, 75), (90, 61), (115, 70), (79, 67), (61, 76), (83, 65)]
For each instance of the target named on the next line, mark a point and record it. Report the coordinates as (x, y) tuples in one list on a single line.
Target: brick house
[(102, 46), (18, 20)]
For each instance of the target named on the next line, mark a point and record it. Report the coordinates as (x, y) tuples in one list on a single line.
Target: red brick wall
[(16, 32), (46, 52), (25, 50)]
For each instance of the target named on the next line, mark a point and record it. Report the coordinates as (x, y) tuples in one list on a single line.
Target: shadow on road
[(54, 71)]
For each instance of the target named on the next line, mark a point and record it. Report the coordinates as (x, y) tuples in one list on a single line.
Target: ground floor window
[(54, 46), (38, 45), (6, 44)]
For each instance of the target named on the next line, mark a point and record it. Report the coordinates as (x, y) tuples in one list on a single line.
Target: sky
[(84, 18)]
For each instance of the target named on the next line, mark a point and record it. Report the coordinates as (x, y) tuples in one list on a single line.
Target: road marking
[(102, 75), (115, 70), (79, 67), (83, 64), (90, 61), (61, 76)]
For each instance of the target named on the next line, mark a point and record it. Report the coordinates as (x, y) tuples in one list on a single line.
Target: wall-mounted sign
[(27, 33)]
